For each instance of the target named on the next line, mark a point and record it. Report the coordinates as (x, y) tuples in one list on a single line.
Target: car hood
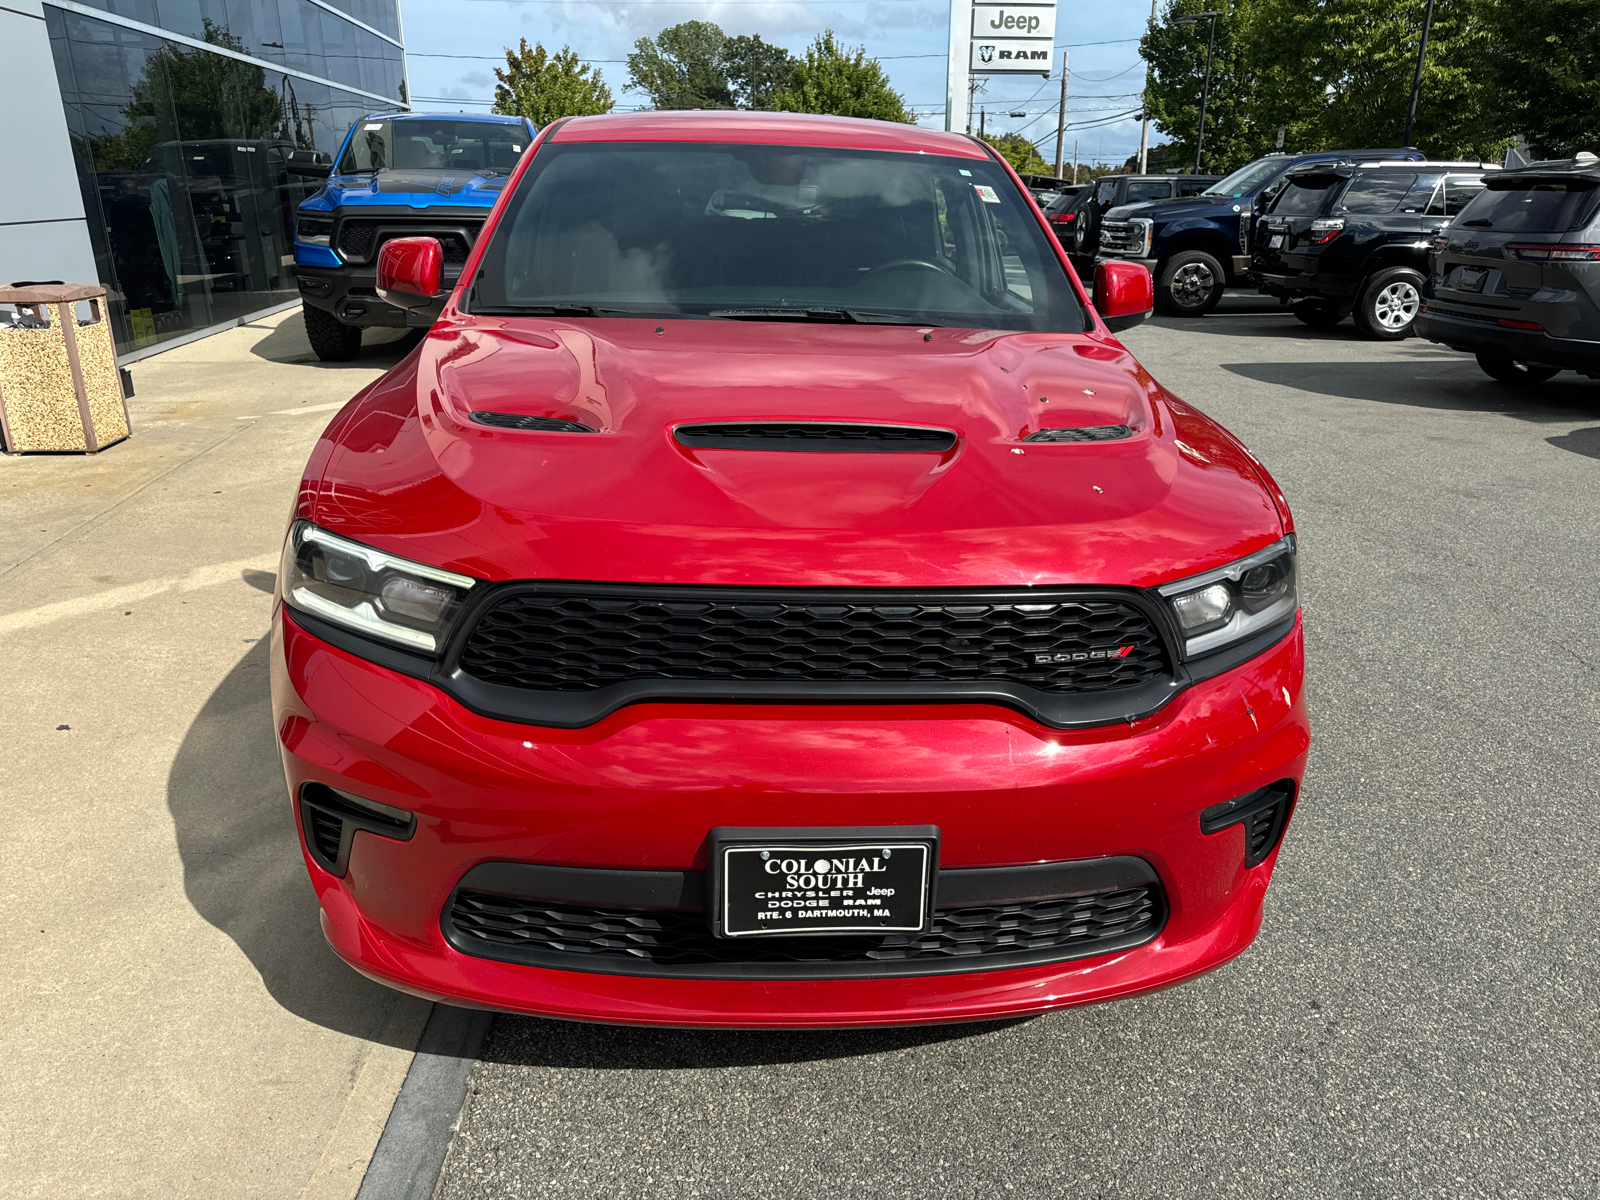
[(1164, 210), (406, 468), (420, 188)]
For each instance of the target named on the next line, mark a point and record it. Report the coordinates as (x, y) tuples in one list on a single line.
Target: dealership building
[(146, 145)]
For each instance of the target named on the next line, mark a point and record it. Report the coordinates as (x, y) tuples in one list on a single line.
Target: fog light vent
[(330, 819), (1263, 813)]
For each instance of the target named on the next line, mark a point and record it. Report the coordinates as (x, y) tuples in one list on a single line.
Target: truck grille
[(1121, 237), (578, 640), (628, 941), (360, 238)]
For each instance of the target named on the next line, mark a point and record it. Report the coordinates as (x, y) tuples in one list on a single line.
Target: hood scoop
[(1082, 433), (816, 437), (522, 421)]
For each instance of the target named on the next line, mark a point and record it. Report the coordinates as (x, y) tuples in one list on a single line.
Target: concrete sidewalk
[(175, 1024)]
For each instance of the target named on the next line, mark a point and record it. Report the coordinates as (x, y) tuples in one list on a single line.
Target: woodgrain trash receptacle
[(59, 384)]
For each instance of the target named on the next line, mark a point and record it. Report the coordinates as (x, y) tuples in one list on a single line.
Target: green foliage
[(543, 87), (208, 96), (683, 67), (756, 70), (1176, 55), (1022, 154), (1546, 67), (831, 79)]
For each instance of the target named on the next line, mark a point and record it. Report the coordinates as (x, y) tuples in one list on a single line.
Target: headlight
[(1234, 602), (1142, 228), (368, 591), (312, 231)]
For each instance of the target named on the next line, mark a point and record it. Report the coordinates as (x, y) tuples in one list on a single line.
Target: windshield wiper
[(843, 316)]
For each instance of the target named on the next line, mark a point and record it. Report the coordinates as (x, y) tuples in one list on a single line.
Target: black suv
[(1516, 278), (1112, 191), (1341, 238)]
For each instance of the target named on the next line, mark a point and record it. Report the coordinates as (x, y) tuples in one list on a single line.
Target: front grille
[(579, 640), (1081, 433), (840, 437), (360, 238), (1119, 237), (623, 941)]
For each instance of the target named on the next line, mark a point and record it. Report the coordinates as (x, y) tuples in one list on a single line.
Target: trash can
[(59, 384)]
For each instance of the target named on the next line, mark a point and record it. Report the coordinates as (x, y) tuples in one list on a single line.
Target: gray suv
[(1515, 279)]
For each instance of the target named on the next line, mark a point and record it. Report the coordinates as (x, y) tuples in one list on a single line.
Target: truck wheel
[(1509, 370), (333, 340), (1189, 284), (1389, 304), (1319, 314)]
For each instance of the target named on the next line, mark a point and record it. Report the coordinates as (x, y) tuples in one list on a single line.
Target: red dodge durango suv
[(771, 596)]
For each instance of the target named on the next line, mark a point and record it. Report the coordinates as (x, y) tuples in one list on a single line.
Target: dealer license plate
[(1275, 242), (866, 881)]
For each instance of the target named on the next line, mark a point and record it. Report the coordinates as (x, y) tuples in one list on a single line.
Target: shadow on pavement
[(242, 868), (286, 343), (531, 1042), (1580, 441), (1434, 383)]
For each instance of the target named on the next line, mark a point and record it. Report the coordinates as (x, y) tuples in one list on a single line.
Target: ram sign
[(1012, 39)]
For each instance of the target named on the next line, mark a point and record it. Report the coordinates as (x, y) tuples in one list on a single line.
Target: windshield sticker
[(965, 172), (516, 149), (375, 125), (986, 193)]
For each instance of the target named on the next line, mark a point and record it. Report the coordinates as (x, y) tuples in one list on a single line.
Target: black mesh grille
[(360, 238), (960, 939), (840, 437), (578, 642), (324, 832), (356, 238), (521, 421), (1082, 433)]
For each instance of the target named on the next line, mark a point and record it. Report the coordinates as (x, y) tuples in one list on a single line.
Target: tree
[(1022, 154), (1176, 55), (682, 67), (543, 87), (1546, 67), (756, 70), (831, 79)]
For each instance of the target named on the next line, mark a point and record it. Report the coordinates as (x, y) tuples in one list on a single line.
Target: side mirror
[(313, 164), (1124, 293), (410, 270)]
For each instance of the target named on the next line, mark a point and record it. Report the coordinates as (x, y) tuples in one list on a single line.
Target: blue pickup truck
[(1198, 246), (398, 174)]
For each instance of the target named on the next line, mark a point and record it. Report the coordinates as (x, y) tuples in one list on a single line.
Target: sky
[(453, 45)]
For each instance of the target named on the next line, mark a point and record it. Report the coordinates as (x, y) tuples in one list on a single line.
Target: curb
[(417, 1136)]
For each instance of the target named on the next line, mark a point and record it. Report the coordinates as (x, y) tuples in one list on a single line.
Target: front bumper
[(350, 293), (640, 789), (1475, 334)]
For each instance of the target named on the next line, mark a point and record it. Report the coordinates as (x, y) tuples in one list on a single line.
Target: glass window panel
[(1377, 194)]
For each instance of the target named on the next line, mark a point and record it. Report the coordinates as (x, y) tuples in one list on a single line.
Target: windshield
[(774, 232), (410, 144), (1247, 179)]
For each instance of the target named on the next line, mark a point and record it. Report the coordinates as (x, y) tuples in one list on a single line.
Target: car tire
[(1387, 309), (1505, 369), (1189, 284), (332, 339), (1319, 314)]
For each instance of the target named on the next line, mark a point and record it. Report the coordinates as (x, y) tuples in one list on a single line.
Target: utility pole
[(1144, 128), (1061, 117), (1416, 82), (973, 88), (1074, 160), (983, 121), (1205, 89)]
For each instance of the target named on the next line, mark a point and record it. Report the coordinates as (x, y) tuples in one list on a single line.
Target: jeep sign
[(1013, 21)]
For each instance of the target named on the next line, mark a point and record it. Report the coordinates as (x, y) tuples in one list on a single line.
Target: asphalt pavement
[(1420, 1015)]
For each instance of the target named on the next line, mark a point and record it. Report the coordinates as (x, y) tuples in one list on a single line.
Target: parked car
[(397, 174), (1515, 279), (736, 614), (1060, 210), (1345, 239), (1197, 247), (1116, 191)]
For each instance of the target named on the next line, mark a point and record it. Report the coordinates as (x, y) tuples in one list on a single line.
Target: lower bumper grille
[(679, 944)]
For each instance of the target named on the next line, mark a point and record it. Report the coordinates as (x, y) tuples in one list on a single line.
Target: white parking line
[(114, 598), (294, 412)]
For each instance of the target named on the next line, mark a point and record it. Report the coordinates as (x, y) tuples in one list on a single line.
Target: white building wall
[(43, 233)]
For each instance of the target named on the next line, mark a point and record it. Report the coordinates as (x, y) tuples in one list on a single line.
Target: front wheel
[(1389, 303), (1189, 284), (331, 338), (1510, 370)]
